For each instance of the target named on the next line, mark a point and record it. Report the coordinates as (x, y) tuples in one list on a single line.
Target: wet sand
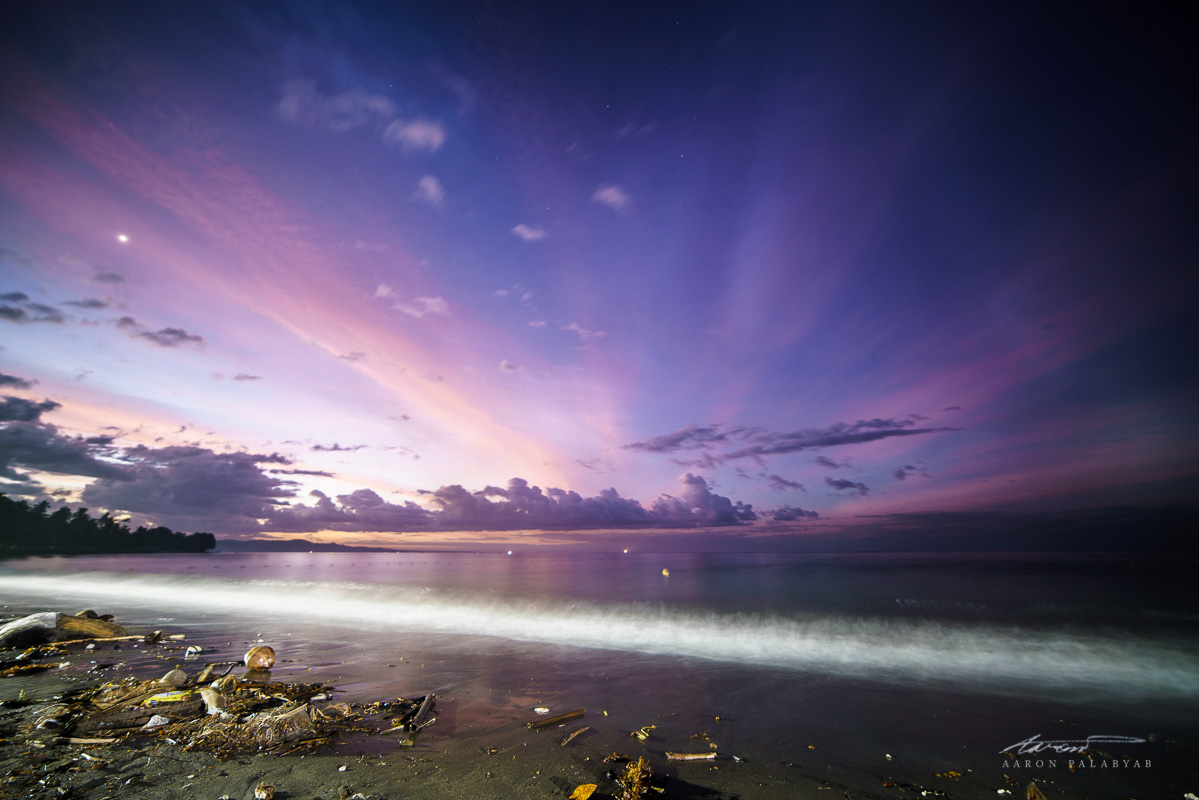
[(480, 745)]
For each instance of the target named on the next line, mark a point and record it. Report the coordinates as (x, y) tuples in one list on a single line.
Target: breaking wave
[(905, 649)]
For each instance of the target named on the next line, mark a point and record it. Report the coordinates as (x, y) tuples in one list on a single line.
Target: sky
[(353, 270)]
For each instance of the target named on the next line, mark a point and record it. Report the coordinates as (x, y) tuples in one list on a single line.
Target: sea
[(876, 665)]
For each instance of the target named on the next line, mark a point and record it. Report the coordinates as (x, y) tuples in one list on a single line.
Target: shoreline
[(482, 748)]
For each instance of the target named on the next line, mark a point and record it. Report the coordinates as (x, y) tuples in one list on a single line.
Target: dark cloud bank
[(239, 493)]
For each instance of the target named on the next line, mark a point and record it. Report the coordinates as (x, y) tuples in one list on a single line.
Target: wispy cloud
[(91, 303), (529, 234), (303, 104), (14, 382), (612, 196), (842, 485), (338, 448), (422, 306), (508, 366), (17, 307), (781, 484), (416, 134), (164, 337), (760, 443), (583, 333), (430, 190)]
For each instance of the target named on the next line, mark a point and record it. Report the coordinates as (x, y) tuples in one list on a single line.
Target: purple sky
[(333, 270)]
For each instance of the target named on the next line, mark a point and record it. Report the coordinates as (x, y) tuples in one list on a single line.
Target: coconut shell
[(260, 657)]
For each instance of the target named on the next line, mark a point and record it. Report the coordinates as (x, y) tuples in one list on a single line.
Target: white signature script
[(1035, 744)]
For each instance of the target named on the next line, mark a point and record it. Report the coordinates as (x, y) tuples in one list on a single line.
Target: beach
[(842, 724)]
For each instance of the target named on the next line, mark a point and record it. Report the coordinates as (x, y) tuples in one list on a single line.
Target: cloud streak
[(758, 443)]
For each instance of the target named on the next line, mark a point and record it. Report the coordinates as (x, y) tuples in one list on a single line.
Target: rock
[(212, 700), (260, 657), (175, 677), (263, 791)]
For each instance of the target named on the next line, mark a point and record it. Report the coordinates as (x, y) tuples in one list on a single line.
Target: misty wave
[(986, 656)]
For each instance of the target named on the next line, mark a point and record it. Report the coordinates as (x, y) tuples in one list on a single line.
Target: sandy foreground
[(472, 750)]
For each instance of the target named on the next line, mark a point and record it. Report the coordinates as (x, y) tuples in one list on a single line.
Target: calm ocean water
[(937, 659)]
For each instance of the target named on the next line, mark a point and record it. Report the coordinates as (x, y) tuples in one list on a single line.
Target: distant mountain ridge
[(291, 546)]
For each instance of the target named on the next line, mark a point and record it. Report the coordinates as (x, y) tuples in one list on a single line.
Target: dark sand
[(482, 748)]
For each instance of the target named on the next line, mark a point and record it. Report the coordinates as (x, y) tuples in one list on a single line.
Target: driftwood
[(53, 626), (567, 717), (574, 735), (689, 756)]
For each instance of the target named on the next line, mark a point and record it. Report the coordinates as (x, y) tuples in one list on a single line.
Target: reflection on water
[(999, 624)]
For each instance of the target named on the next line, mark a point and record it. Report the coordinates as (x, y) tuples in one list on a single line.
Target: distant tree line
[(35, 530)]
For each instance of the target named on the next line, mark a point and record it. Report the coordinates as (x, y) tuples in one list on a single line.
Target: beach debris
[(156, 721), (55, 716), (541, 710), (953, 773), (583, 791), (1033, 792), (260, 657), (213, 701), (175, 677), (634, 781), (709, 756), (574, 735), (263, 791), (642, 734), (569, 716), (665, 572), (192, 651), (11, 669), (54, 626), (179, 696)]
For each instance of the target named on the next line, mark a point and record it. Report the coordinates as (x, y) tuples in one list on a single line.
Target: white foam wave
[(927, 650)]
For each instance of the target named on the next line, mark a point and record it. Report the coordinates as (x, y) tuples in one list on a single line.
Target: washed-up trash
[(192, 651), (583, 791), (643, 733), (156, 721), (52, 718), (260, 657), (541, 710), (567, 717), (162, 698)]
